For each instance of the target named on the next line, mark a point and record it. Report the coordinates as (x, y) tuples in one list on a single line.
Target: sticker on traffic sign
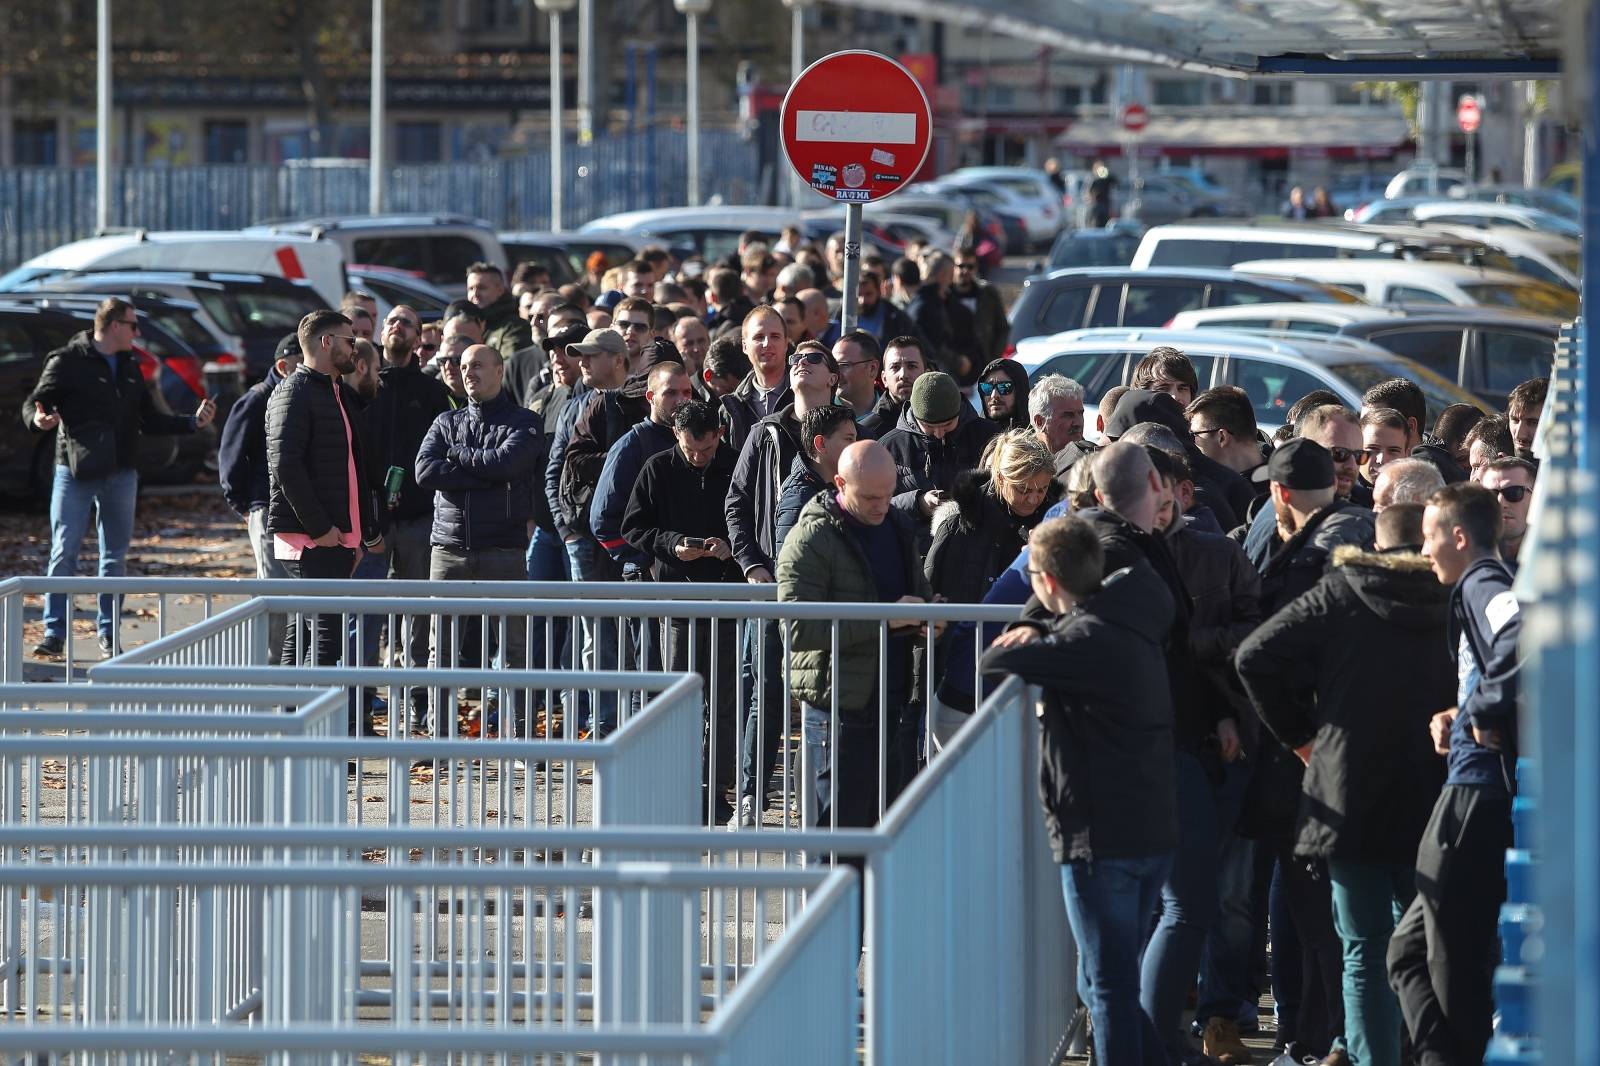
[(848, 153)]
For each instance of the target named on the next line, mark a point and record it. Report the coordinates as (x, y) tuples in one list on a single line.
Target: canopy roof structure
[(1328, 38)]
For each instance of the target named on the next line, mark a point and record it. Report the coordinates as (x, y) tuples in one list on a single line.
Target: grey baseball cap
[(600, 342)]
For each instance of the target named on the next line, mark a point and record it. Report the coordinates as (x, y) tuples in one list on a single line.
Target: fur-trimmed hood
[(1398, 586), (974, 500)]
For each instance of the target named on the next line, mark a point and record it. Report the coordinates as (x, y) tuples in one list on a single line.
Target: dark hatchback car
[(1097, 296), (1105, 247), (29, 332), (1486, 351)]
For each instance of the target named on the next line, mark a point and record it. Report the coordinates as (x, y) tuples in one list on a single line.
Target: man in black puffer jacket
[(1325, 674), (320, 514), (938, 436), (482, 462), (1292, 558)]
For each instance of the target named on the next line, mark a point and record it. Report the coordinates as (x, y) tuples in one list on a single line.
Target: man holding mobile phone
[(94, 396)]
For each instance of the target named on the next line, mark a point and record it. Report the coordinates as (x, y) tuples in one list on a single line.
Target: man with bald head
[(814, 312), (482, 463), (851, 546)]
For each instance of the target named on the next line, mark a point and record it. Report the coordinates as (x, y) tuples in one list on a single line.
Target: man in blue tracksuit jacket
[(1442, 956)]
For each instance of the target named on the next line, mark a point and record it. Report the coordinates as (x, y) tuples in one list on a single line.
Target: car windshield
[(245, 311), (183, 325), (1111, 251), (1439, 392), (1540, 299)]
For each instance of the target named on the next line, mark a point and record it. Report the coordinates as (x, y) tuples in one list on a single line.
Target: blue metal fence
[(42, 207)]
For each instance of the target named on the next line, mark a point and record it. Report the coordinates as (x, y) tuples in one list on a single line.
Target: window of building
[(1069, 96), (1349, 94), (1272, 94), (493, 15), (227, 141), (418, 142), (1190, 92), (34, 142)]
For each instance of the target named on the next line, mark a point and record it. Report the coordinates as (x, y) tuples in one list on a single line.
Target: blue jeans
[(113, 498), (1188, 898), (600, 646), (547, 561), (1226, 989), (766, 716), (819, 754), (1109, 906), (1368, 900)]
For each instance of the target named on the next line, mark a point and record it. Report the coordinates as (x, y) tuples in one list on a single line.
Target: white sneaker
[(746, 818)]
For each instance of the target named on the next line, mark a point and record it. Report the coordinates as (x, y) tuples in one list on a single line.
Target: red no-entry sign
[(1469, 114), (856, 126), (1134, 117)]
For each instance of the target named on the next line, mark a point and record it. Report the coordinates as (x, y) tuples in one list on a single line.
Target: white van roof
[(282, 255)]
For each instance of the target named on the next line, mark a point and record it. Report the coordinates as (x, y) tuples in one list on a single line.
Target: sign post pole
[(851, 155), (849, 309)]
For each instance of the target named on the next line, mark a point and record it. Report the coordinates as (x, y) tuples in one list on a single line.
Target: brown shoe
[(1221, 1041)]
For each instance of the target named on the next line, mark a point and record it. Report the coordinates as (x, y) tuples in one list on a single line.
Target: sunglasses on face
[(1512, 493), (1345, 455), (624, 325), (995, 388), (811, 358), (427, 347)]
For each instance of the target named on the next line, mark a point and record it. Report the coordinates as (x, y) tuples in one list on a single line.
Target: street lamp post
[(692, 10), (377, 119), (555, 9), (797, 63), (102, 114)]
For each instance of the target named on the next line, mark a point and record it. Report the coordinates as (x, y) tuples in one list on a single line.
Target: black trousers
[(1308, 894), (1443, 952), (325, 646), (720, 686)]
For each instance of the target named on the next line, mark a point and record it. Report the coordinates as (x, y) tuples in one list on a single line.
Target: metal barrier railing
[(484, 961), (963, 915), (742, 649), (173, 603)]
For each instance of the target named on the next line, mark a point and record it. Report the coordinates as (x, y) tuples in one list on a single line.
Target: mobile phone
[(694, 542)]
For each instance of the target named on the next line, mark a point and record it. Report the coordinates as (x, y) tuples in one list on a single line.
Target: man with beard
[(1003, 392), (320, 513)]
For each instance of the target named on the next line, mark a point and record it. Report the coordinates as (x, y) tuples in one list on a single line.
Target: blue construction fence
[(43, 207)]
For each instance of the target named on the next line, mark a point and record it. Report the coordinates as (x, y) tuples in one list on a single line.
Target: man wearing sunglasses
[(1003, 392), (1511, 479), (94, 394)]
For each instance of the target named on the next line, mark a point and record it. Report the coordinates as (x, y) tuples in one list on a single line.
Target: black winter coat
[(934, 462), (397, 420), (1105, 756), (672, 500), (975, 537), (102, 411), (482, 463), (1225, 594), (743, 408), (751, 509), (1356, 667), (242, 451), (307, 457)]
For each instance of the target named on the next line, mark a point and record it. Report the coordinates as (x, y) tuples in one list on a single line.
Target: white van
[(294, 257), (1401, 282), (436, 248), (1220, 245)]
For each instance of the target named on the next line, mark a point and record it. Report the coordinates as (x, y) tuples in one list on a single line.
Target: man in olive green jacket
[(851, 546)]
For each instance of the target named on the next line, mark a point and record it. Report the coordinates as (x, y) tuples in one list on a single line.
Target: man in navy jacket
[(1442, 956)]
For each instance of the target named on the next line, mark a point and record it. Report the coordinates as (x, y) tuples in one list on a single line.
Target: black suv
[(1097, 296)]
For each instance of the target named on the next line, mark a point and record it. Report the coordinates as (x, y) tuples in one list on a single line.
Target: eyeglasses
[(811, 357), (427, 347), (1033, 572), (1204, 432), (351, 337), (852, 364), (624, 325), (131, 323), (1512, 493), (1346, 455), (997, 388)]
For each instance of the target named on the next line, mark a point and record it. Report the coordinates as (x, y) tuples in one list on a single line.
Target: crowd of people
[(1278, 674)]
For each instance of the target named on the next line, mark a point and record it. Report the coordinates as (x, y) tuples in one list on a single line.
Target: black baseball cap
[(1300, 463), (1145, 405), (288, 348), (570, 335)]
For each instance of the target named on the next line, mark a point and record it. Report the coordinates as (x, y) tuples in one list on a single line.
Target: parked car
[(439, 248), (1224, 243), (1552, 200), (998, 203), (29, 332), (1095, 296), (1487, 351), (710, 232), (1110, 246), (566, 254), (1458, 211), (1544, 256), (889, 226), (251, 311), (1172, 196), (1273, 371), (295, 256), (1031, 194), (172, 330), (949, 212), (391, 287), (1425, 180), (1401, 282)]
